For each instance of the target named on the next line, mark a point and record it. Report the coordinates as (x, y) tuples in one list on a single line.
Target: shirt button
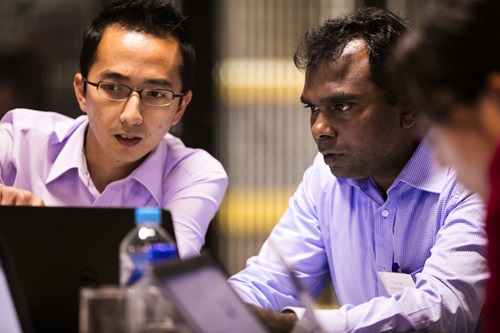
[(385, 213)]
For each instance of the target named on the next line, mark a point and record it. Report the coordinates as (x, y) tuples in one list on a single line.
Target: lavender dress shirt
[(42, 152)]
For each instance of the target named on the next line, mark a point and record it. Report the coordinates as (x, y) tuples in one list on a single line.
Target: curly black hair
[(379, 28)]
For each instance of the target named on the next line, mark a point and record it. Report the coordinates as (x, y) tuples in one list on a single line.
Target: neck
[(388, 175), (102, 176), (104, 170)]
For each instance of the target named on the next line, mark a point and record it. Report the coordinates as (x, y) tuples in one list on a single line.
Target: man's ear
[(79, 87), (186, 99), (408, 112)]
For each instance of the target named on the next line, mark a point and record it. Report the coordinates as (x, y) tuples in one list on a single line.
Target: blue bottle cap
[(150, 215)]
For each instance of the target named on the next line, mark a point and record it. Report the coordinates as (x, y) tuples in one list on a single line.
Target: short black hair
[(155, 17), (452, 50), (379, 28)]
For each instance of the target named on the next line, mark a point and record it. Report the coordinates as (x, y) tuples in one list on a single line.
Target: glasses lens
[(157, 97), (114, 91)]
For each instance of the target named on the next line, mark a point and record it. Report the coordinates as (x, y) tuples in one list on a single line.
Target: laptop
[(14, 315), (57, 250), (205, 300)]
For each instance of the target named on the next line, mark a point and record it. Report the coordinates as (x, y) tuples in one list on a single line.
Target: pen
[(396, 268)]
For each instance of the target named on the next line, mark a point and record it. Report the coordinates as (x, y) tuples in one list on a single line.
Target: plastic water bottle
[(145, 245)]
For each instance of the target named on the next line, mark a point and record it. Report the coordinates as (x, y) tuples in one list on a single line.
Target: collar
[(423, 171), (149, 173), (71, 138)]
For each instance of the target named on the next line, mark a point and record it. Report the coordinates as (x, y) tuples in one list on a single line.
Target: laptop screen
[(205, 300), (58, 250)]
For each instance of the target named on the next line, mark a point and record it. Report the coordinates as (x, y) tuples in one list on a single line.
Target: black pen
[(396, 268)]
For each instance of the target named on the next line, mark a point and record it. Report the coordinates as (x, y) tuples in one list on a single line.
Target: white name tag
[(396, 282)]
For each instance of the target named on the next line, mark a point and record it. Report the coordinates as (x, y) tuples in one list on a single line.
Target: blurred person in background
[(372, 203), (136, 74), (450, 65)]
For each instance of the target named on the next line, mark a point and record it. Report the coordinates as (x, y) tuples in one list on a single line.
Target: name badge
[(395, 282)]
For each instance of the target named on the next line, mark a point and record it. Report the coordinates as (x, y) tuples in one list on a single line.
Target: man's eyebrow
[(339, 98), (332, 99), (162, 83), (113, 76)]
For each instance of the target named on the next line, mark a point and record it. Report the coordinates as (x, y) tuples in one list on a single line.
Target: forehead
[(350, 71), (136, 53)]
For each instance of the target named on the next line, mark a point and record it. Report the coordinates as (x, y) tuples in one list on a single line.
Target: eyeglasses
[(120, 92)]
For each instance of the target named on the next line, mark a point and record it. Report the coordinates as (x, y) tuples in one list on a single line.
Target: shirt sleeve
[(265, 281), (194, 198)]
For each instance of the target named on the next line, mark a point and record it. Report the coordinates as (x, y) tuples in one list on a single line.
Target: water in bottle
[(146, 244)]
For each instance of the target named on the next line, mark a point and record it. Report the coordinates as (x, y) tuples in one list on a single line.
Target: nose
[(131, 113), (322, 126)]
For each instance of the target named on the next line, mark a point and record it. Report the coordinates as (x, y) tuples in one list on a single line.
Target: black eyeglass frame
[(139, 91)]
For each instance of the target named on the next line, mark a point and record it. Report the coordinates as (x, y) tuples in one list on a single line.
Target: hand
[(11, 196), (276, 322)]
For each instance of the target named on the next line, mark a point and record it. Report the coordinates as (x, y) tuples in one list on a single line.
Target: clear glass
[(120, 92), (109, 309)]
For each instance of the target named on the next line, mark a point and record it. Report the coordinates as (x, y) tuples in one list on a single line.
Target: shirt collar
[(150, 172), (423, 171), (72, 138)]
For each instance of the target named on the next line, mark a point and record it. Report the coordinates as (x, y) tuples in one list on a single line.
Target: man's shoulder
[(47, 124), (43, 121), (191, 160)]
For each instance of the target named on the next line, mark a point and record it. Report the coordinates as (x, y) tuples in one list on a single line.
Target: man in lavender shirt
[(136, 74)]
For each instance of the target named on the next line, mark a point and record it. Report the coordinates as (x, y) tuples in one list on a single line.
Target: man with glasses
[(135, 83)]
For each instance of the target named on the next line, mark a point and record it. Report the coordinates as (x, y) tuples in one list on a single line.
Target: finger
[(10, 196)]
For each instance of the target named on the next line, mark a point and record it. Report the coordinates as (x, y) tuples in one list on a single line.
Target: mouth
[(126, 140), (331, 158)]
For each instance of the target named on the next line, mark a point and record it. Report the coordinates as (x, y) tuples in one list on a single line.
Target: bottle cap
[(162, 251), (150, 215)]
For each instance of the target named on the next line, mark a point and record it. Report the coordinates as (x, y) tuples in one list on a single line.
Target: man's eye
[(341, 107), (311, 107), (156, 94), (111, 87)]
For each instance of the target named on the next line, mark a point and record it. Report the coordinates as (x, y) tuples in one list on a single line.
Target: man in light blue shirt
[(372, 203)]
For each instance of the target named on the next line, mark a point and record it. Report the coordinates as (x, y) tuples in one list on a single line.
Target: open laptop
[(205, 300), (57, 250), (14, 315)]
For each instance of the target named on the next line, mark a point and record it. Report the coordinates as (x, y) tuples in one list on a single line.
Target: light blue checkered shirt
[(342, 230)]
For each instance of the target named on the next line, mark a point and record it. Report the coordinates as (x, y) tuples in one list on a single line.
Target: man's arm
[(195, 189), (11, 196)]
